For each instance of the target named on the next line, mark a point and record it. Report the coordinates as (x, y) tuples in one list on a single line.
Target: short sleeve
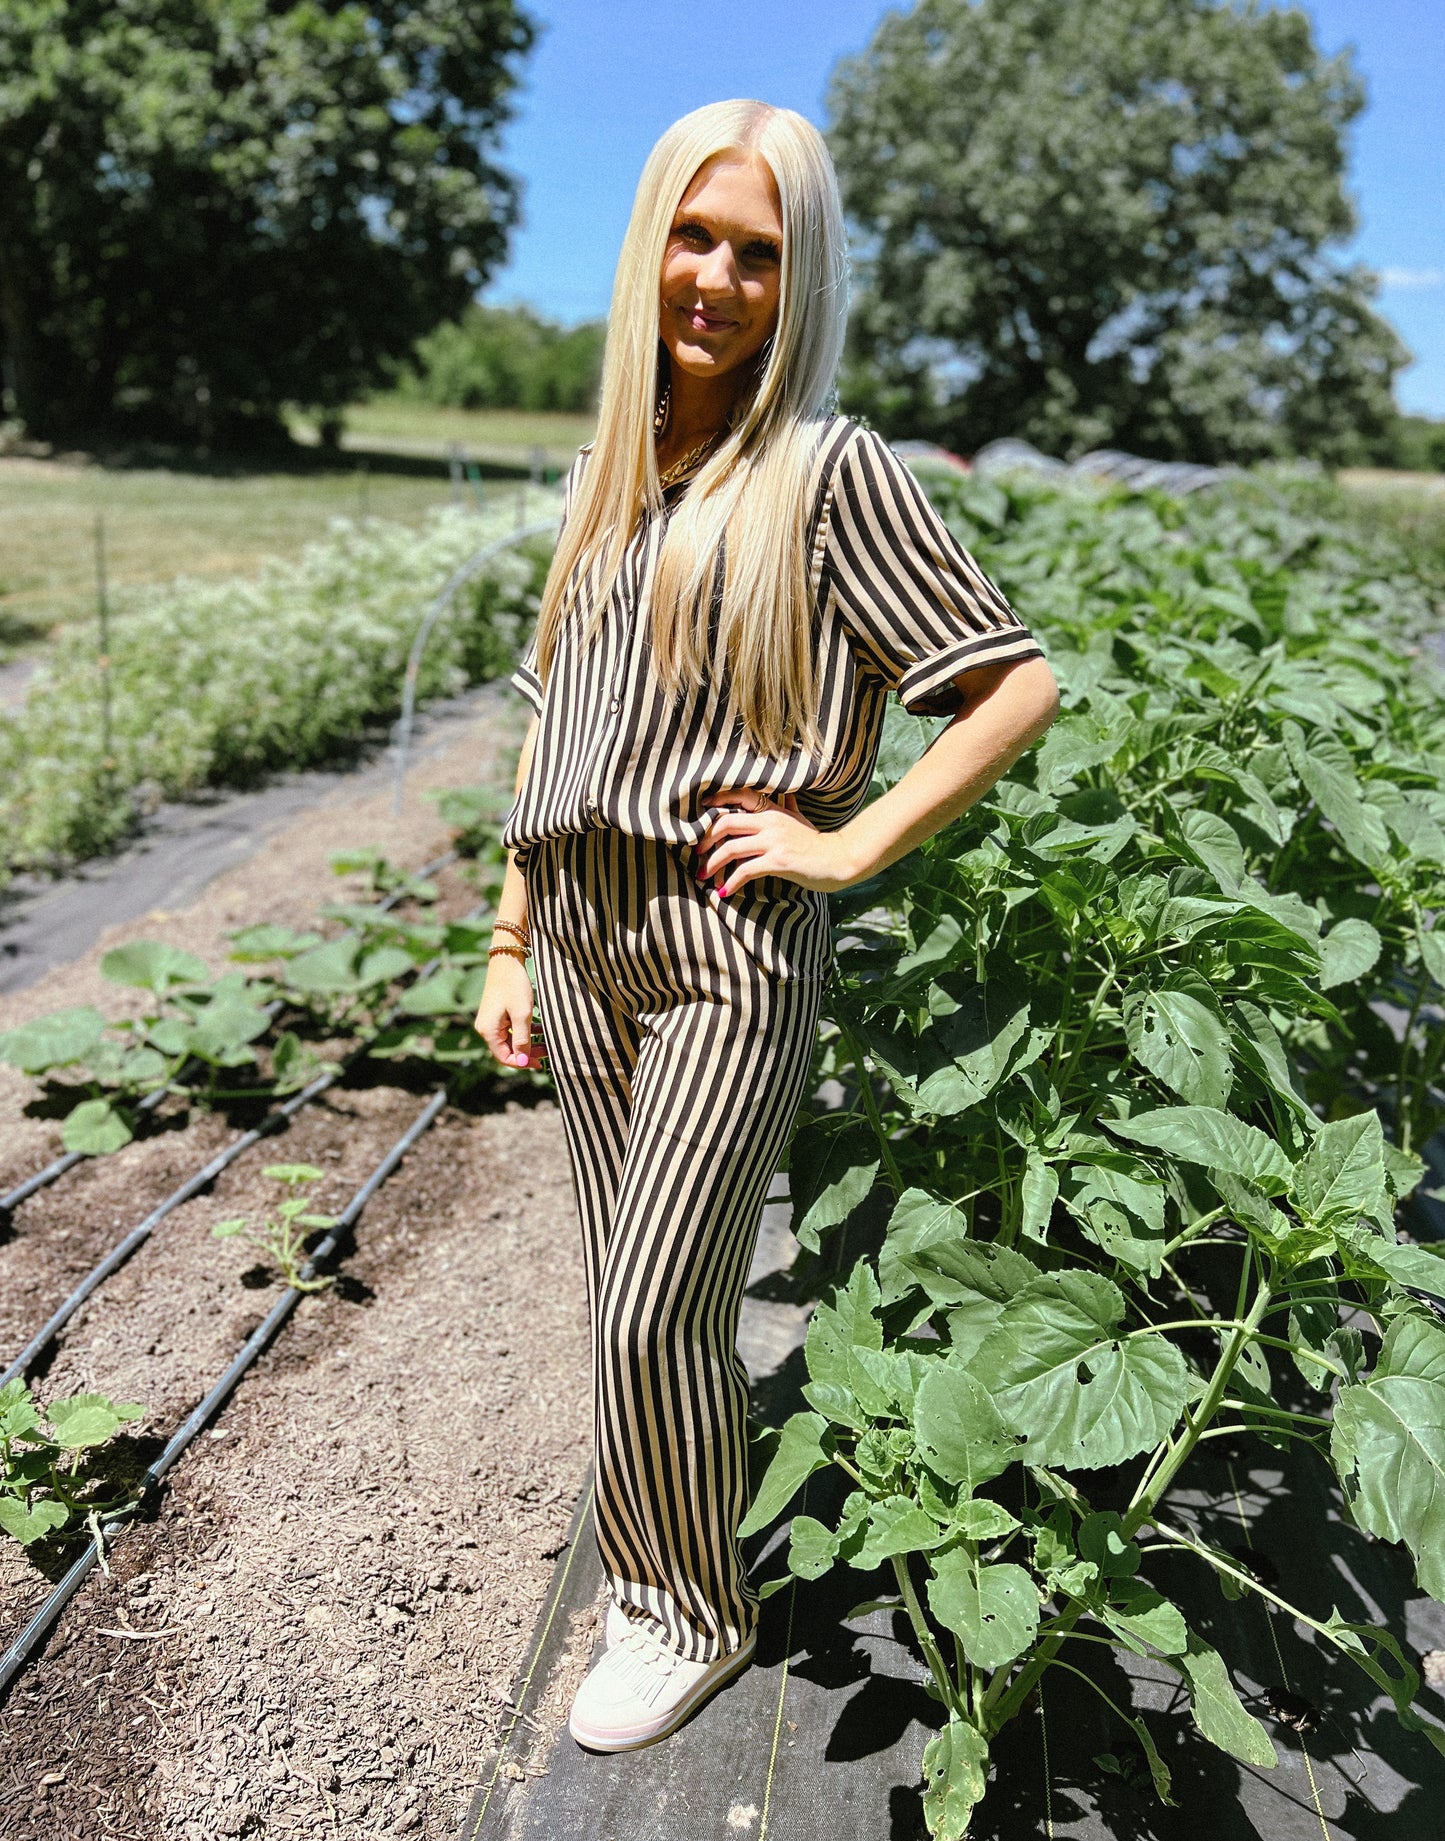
[(525, 678), (918, 610)]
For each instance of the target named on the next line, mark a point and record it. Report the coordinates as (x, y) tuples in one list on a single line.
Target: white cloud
[(1412, 277)]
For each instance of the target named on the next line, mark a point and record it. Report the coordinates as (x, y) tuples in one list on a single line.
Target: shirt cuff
[(927, 687), (526, 680)]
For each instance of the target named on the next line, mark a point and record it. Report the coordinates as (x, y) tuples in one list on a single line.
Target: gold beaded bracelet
[(512, 927), (512, 952)]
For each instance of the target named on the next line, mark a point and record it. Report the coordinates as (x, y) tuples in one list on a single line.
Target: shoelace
[(642, 1664)]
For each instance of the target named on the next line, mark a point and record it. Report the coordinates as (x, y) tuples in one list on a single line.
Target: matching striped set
[(679, 1028)]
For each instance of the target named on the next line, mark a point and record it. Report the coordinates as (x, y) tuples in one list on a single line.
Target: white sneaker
[(640, 1692)]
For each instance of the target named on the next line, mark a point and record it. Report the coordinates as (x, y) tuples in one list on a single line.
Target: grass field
[(226, 518), (494, 437), (219, 518)]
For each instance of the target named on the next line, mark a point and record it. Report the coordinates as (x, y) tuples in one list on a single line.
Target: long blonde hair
[(753, 492)]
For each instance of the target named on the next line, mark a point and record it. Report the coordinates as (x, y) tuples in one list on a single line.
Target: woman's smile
[(700, 320)]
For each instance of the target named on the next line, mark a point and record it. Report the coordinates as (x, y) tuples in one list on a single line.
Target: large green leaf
[(55, 1041), (1218, 1711), (1388, 1445), (896, 1526), (224, 1029), (992, 1610), (955, 1774), (95, 1128), (838, 1330), (804, 1445), (811, 1547), (1144, 1621), (1219, 1141), (152, 965), (1420, 1268), (18, 1414), (1351, 948), (31, 1524), (960, 1431), (89, 1419), (433, 996), (1067, 1382), (1213, 842), (928, 1245), (1122, 1212), (1373, 1650), (1336, 791), (975, 1036), (324, 969), (1342, 1175), (832, 1165), (1182, 1041)]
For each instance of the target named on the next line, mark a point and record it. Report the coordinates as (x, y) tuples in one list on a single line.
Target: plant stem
[(1141, 1508), (931, 1655), (870, 1106)]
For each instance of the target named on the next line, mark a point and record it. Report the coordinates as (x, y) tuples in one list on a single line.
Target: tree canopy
[(508, 358), (211, 207), (1108, 222)]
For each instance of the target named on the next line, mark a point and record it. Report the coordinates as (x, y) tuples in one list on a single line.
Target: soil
[(314, 1632)]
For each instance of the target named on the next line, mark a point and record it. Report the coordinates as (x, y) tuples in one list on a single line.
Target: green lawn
[(496, 437), (226, 518)]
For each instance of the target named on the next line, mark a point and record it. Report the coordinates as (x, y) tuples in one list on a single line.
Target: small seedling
[(43, 1489), (284, 1238)]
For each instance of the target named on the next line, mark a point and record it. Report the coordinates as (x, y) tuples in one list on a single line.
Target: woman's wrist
[(854, 856)]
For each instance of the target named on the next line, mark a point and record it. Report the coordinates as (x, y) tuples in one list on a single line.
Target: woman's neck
[(701, 406)]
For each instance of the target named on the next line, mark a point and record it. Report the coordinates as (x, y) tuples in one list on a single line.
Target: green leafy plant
[(282, 1237), (199, 1034), (213, 683), (49, 1477), (1111, 1051)]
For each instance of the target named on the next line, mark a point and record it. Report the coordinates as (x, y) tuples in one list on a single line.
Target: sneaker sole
[(705, 1689)]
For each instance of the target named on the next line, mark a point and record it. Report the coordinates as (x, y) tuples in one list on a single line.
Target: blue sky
[(609, 75)]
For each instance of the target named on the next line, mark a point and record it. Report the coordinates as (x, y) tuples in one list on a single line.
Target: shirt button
[(616, 704)]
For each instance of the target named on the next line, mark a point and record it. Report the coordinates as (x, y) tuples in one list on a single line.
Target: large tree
[(1095, 222), (211, 207)]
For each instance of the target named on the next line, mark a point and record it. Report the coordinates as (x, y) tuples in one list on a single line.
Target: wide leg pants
[(679, 1031)]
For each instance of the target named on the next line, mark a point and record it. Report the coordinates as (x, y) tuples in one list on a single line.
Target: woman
[(740, 580)]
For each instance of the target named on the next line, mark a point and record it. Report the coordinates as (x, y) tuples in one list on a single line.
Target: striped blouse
[(898, 605)]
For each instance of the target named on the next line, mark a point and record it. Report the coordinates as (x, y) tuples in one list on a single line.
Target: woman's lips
[(705, 322)]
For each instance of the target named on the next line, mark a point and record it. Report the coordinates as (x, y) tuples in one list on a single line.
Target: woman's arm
[(1006, 709), (504, 1017)]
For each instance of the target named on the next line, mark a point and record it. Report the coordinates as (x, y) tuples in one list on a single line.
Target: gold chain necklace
[(679, 467)]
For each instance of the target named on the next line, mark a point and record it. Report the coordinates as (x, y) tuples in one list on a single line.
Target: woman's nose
[(717, 270)]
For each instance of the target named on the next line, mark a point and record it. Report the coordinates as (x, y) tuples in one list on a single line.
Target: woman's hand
[(754, 834), (504, 1016)]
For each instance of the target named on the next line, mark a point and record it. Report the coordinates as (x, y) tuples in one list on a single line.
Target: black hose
[(42, 1179), (35, 1632), (138, 1235)]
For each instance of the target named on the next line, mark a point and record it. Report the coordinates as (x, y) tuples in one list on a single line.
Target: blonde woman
[(740, 581)]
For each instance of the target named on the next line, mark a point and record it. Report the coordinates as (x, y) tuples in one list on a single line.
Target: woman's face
[(722, 270)]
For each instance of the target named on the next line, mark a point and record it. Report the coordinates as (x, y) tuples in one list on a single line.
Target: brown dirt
[(315, 1633)]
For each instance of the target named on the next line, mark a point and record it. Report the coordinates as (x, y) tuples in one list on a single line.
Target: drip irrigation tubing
[(112, 1261), (42, 1179), (35, 1632)]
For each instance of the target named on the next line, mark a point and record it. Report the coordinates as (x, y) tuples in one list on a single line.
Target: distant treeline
[(507, 358), (1419, 444)]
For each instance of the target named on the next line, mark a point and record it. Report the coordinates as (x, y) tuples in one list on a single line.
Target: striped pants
[(679, 1032)]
